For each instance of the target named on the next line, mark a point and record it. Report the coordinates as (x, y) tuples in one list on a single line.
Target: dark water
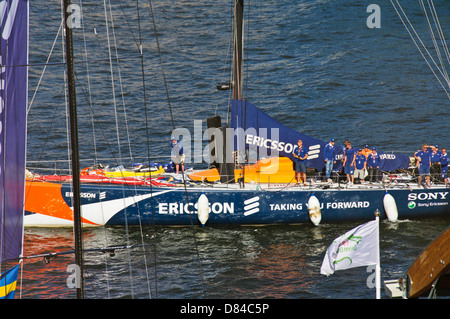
[(313, 65), (226, 262)]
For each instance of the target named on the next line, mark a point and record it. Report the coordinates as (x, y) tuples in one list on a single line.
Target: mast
[(74, 148), (238, 49)]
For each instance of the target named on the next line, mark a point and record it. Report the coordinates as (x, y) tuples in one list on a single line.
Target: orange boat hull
[(46, 199)]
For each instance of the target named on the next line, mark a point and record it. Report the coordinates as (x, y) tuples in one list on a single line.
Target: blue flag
[(8, 282), (13, 123)]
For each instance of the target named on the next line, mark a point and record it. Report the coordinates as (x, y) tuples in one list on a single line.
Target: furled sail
[(256, 130), (13, 125)]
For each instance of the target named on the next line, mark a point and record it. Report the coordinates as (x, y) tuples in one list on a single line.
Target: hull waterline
[(49, 204)]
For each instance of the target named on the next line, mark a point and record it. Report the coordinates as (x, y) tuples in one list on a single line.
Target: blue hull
[(175, 206)]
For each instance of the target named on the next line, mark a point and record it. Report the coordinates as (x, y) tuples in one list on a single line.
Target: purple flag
[(13, 124)]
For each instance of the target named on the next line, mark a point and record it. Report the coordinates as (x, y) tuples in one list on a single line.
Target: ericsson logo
[(273, 144), (251, 206), (314, 151)]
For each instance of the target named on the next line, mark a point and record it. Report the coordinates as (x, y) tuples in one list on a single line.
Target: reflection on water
[(47, 280), (221, 262), (283, 268)]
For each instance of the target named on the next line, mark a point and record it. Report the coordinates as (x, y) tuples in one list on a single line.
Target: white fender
[(314, 210), (203, 209), (390, 207)]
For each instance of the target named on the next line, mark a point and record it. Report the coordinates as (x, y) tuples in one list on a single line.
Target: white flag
[(357, 247)]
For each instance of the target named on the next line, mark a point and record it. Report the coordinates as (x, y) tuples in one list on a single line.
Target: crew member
[(444, 165), (435, 168), (424, 161), (300, 154), (366, 151), (360, 166), (177, 155), (349, 162), (373, 162), (328, 154)]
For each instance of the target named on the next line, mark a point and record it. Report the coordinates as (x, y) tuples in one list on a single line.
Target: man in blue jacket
[(328, 155), (435, 157), (424, 162), (444, 165), (373, 162), (360, 166)]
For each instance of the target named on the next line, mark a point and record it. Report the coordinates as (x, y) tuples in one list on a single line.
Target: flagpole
[(377, 266), (359, 246)]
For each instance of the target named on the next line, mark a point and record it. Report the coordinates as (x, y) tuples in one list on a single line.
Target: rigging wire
[(88, 98), (229, 58), (117, 131), (419, 39), (140, 47), (160, 63), (441, 33), (433, 37), (45, 67), (227, 64), (108, 249), (116, 161), (112, 78), (405, 18), (106, 140), (89, 102), (246, 76), (88, 81), (173, 126), (88, 95), (122, 94), (52, 118)]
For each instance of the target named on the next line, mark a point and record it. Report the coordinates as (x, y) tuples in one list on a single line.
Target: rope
[(173, 126), (122, 94), (89, 82), (444, 71), (148, 154), (160, 63), (87, 95), (422, 44), (45, 67), (440, 32), (117, 127), (112, 78)]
